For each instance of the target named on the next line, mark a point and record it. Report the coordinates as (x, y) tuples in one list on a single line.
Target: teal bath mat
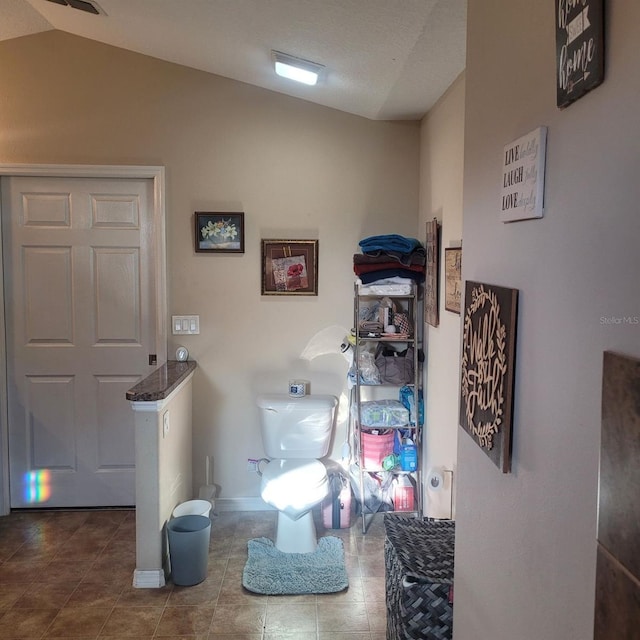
[(272, 572)]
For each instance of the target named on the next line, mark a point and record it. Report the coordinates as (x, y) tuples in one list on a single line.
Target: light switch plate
[(185, 325), (165, 424)]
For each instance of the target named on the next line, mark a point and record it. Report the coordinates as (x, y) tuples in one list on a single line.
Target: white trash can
[(193, 508)]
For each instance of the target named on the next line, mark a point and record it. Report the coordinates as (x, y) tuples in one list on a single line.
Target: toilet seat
[(294, 486)]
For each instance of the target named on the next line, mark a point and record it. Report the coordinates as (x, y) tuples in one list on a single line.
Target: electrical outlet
[(252, 465)]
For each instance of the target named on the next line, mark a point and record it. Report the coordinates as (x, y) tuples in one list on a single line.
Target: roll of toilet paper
[(298, 388), (435, 481)]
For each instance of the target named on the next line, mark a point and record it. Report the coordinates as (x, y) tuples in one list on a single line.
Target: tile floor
[(67, 575)]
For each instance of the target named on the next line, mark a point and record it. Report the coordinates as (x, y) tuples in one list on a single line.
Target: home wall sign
[(487, 369), (432, 246), (579, 48), (523, 163)]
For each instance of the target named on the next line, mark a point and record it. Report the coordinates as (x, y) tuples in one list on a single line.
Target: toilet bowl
[(296, 433)]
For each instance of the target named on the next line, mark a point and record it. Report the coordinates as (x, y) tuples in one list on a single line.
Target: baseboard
[(242, 504), (148, 578)]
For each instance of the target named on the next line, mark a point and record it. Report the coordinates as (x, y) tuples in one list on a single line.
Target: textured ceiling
[(384, 59)]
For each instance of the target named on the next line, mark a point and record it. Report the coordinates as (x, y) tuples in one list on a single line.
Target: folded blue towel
[(390, 242)]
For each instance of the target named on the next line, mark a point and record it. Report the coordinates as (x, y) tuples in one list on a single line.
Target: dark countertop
[(159, 384)]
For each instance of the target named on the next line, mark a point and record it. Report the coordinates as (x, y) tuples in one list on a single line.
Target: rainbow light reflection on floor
[(37, 486)]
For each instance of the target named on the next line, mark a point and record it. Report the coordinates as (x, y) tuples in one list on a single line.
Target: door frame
[(155, 173)]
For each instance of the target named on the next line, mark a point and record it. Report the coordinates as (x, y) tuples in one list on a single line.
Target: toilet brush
[(208, 490)]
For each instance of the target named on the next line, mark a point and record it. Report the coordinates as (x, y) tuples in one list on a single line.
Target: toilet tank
[(296, 427)]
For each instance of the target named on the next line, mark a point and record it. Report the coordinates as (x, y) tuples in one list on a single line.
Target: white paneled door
[(80, 319)]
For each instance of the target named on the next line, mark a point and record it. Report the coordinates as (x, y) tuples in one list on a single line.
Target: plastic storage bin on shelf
[(377, 444), (379, 417)]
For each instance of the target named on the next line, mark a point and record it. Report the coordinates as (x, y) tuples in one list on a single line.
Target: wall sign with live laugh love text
[(579, 48), (523, 163)]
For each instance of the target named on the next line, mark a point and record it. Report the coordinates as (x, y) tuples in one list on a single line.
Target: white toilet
[(296, 432)]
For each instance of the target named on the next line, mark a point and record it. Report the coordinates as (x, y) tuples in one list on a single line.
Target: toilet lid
[(310, 473), (293, 487)]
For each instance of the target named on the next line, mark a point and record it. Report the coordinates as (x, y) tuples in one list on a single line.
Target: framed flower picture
[(290, 267), (219, 232)]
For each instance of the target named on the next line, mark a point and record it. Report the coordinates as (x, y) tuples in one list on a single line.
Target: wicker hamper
[(418, 558)]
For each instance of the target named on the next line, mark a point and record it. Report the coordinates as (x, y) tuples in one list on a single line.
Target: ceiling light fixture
[(295, 68)]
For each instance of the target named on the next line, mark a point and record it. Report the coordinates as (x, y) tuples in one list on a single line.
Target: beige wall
[(526, 542), (297, 170), (441, 175)]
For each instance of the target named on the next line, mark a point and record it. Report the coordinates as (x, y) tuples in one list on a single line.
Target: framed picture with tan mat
[(290, 267)]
